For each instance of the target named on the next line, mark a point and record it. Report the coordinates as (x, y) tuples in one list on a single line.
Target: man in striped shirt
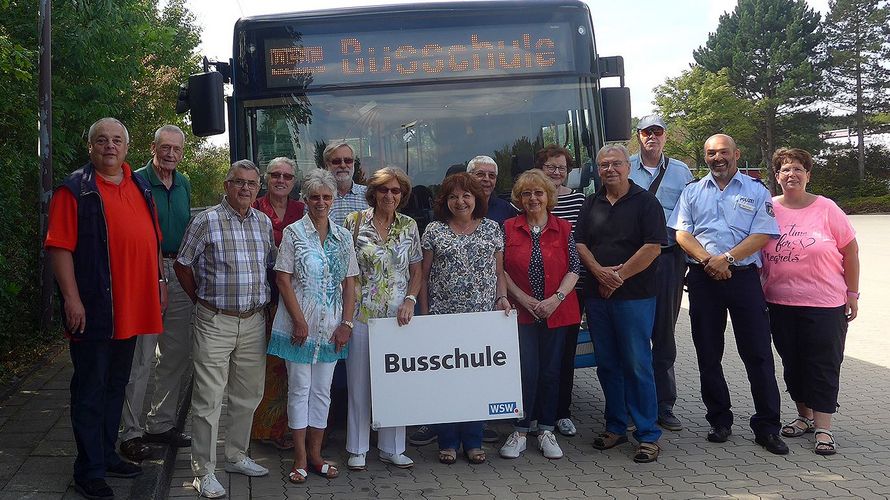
[(222, 264)]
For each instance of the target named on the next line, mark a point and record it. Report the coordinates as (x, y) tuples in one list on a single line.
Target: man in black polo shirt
[(619, 235)]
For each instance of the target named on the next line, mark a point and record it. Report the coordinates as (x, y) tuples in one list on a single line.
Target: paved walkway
[(36, 446)]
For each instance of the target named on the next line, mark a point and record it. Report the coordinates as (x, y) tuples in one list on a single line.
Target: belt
[(169, 255), (235, 314)]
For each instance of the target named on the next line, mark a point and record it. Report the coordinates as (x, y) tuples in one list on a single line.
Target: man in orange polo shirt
[(103, 244)]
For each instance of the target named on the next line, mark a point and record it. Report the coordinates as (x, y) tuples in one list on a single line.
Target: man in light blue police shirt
[(666, 178), (722, 222)]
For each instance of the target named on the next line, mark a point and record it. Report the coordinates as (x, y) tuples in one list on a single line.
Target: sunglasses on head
[(338, 161), (281, 175), (656, 131)]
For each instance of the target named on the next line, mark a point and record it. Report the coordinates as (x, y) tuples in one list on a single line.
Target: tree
[(857, 42), (698, 104), (771, 51)]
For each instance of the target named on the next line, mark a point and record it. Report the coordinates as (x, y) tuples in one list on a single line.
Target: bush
[(866, 205)]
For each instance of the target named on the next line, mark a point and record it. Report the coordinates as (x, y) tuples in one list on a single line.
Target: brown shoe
[(135, 450)]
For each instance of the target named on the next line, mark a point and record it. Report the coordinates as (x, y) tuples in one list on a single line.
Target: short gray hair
[(481, 160), (611, 148), (329, 150), (91, 134), (282, 159), (170, 129), (318, 179), (243, 165)]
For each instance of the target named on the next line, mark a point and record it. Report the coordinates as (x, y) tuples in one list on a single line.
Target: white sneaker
[(247, 467), (401, 461), (356, 461), (547, 444), (208, 486), (566, 427), (514, 446)]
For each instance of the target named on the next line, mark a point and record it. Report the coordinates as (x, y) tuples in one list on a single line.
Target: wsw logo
[(502, 408)]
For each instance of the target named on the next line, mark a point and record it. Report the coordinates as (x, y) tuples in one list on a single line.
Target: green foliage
[(836, 178), (206, 167), (121, 58), (771, 51), (698, 104), (868, 205)]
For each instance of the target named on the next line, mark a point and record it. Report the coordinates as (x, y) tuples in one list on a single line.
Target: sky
[(656, 38)]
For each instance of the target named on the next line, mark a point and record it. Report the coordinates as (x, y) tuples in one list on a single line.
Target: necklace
[(466, 229), (536, 229)]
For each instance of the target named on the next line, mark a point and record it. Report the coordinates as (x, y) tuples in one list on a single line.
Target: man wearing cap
[(722, 222), (665, 177), (170, 353)]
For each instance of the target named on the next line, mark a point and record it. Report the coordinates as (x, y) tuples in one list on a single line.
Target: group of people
[(271, 294)]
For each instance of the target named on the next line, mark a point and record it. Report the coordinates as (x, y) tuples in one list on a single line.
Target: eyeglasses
[(240, 183), (320, 197), (395, 191), (538, 193), (552, 169), (281, 175), (340, 161), (614, 165), (656, 131), (479, 174)]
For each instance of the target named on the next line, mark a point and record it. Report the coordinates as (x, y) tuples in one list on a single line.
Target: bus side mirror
[(204, 97), (616, 113)]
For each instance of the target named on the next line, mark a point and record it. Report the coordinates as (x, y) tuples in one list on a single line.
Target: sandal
[(448, 456), (793, 429), (284, 442), (647, 452), (608, 440), (324, 470), (825, 447), (475, 455), (297, 476)]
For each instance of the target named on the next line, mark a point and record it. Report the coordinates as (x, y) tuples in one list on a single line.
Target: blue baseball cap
[(651, 121)]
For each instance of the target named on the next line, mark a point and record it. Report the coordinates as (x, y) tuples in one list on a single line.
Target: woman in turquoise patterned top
[(315, 273), (387, 246)]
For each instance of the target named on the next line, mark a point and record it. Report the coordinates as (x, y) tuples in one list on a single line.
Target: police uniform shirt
[(720, 220), (676, 177)]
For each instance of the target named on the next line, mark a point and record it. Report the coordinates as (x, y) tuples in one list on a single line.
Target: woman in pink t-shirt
[(810, 279)]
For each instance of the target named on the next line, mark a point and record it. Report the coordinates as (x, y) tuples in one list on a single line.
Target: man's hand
[(605, 291), (165, 296), (341, 337), (717, 267), (608, 276), (300, 333), (75, 317)]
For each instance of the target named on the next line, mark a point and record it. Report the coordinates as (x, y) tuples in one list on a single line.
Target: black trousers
[(671, 270), (567, 365), (101, 373), (742, 296)]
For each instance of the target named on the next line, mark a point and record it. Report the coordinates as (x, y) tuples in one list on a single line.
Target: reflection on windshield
[(424, 130)]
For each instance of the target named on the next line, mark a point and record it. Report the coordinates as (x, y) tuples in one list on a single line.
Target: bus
[(421, 87)]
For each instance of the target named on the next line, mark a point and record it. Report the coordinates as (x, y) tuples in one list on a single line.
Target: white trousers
[(229, 356), (170, 354), (358, 420), (309, 394)]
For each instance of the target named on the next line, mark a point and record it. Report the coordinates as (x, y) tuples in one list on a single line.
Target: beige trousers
[(229, 355)]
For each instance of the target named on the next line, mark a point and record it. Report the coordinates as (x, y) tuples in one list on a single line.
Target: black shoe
[(773, 444), (669, 421), (426, 434), (135, 450), (123, 469), (490, 435), (94, 489), (172, 436), (719, 434)]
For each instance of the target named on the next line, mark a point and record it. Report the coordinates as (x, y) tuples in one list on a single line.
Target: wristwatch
[(729, 258), (411, 298), (347, 323), (561, 296)]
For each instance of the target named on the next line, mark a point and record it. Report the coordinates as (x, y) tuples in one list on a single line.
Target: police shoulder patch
[(769, 209)]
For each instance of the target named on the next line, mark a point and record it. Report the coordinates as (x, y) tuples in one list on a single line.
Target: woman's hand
[(300, 333), (608, 276), (852, 308), (341, 336), (405, 312), (503, 304), (530, 304), (546, 307)]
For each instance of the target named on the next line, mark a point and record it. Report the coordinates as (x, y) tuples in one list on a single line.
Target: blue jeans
[(452, 435), (622, 343), (540, 354)]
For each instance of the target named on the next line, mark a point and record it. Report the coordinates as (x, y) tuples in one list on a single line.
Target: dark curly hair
[(463, 181), (788, 155), (550, 151)]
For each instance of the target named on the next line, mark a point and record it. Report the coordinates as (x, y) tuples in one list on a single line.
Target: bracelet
[(500, 297), (411, 298), (163, 280), (851, 293), (347, 323)]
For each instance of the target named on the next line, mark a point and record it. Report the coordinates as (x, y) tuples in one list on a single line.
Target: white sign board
[(445, 368)]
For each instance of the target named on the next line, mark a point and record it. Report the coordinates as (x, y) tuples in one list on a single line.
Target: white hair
[(92, 132), (170, 129), (243, 165), (481, 160), (318, 179)]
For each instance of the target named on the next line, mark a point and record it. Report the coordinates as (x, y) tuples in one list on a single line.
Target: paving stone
[(50, 483)]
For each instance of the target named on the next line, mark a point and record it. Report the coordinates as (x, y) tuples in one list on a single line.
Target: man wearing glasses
[(665, 178), (485, 170), (170, 353), (222, 266), (339, 159)]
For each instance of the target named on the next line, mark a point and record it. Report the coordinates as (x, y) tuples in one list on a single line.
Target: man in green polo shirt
[(170, 353)]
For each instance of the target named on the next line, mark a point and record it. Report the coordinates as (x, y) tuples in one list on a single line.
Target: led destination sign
[(386, 56)]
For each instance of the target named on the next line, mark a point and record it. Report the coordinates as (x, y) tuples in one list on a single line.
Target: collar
[(153, 178), (352, 190), (332, 228), (633, 191), (709, 179), (231, 212), (658, 165)]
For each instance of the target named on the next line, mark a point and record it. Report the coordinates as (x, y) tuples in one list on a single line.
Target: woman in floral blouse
[(463, 269), (387, 246), (315, 272)]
